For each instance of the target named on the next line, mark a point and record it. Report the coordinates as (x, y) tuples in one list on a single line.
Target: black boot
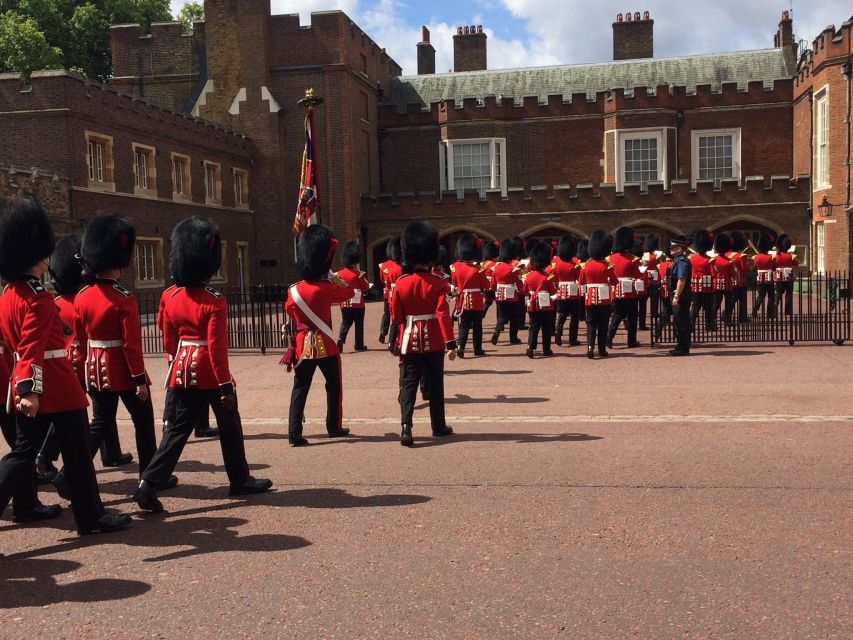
[(45, 470), (406, 438), (495, 337), (590, 353), (250, 485), (443, 432), (107, 523), (343, 432), (122, 460), (38, 513), (211, 431), (146, 498)]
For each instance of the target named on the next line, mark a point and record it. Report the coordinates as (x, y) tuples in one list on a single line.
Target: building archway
[(551, 233), (449, 237), (376, 256), (751, 226)]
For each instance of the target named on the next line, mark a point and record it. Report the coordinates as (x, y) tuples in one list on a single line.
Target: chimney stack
[(469, 49), (633, 36), (784, 39), (426, 54)]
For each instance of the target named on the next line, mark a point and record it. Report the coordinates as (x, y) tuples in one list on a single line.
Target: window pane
[(716, 159), (641, 160)]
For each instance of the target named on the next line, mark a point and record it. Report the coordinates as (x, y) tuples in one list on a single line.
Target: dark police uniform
[(681, 269)]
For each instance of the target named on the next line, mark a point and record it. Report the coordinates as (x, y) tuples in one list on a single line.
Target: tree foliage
[(189, 13), (68, 33)]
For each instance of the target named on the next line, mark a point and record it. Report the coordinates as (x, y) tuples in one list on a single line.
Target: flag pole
[(311, 101)]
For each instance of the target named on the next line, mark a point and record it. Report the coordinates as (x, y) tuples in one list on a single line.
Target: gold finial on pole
[(310, 100)]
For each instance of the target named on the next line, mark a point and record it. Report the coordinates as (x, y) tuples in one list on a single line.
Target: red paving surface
[(643, 496)]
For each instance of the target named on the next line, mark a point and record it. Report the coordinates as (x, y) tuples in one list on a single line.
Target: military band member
[(507, 279), (569, 300), (470, 283), (765, 266), (702, 284), (723, 273), (419, 307), (626, 268), (540, 290), (389, 272), (491, 250), (784, 273), (580, 259), (741, 269), (650, 261), (196, 331), (597, 284), (352, 310), (664, 297), (44, 389), (678, 284)]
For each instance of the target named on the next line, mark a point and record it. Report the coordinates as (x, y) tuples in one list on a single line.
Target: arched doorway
[(750, 228), (551, 233), (448, 239)]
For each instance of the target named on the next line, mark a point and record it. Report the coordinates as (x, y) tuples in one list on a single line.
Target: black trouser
[(765, 290), (508, 312), (303, 374), (569, 309), (728, 312), (169, 412), (785, 289), (386, 319), (189, 406), (597, 317), (665, 315), (704, 301), (348, 317), (17, 469), (467, 321), (521, 310), (7, 427), (740, 296), (488, 301), (683, 324), (642, 303), (541, 321), (104, 408), (624, 309), (413, 367)]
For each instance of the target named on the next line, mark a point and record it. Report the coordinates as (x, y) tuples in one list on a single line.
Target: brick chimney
[(784, 39), (469, 49), (426, 54), (633, 36)]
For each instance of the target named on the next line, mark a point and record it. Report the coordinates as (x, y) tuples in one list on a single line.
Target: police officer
[(678, 283)]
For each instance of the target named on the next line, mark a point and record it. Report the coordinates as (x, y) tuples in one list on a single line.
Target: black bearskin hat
[(765, 243), (441, 260), (638, 248), (722, 243), (529, 245), (196, 252), (315, 251), (26, 237), (540, 256), (623, 240), (567, 248), (738, 240), (517, 247), (491, 250), (394, 251), (599, 245), (783, 242), (108, 243), (351, 254), (583, 250), (468, 247), (66, 272), (702, 240), (652, 242), (420, 243), (506, 254)]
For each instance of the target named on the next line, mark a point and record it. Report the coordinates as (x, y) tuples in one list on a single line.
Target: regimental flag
[(309, 197)]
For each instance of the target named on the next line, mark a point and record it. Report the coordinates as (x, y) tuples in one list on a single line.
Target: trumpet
[(751, 247)]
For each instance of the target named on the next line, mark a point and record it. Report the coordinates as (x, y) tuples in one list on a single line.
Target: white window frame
[(696, 134), (141, 275), (821, 139), (99, 161), (445, 161), (212, 189), (185, 179), (820, 247), (639, 134), (144, 169), (222, 275), (241, 196), (96, 160)]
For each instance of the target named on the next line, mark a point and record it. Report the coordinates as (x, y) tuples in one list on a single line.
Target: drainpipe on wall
[(847, 70)]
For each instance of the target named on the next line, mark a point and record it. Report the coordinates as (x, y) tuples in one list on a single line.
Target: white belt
[(428, 316), (192, 343), (407, 333), (55, 354), (472, 291), (654, 276), (105, 344)]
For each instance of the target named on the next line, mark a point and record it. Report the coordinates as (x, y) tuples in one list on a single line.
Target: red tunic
[(110, 336), (390, 272), (357, 280), (194, 321), (722, 271), (539, 287), (663, 267), (785, 264), (566, 274), (741, 268), (764, 267), (68, 314), (597, 281), (470, 282), (652, 272), (419, 306), (702, 280), (626, 268), (32, 329), (5, 367), (507, 282), (319, 296), (488, 269)]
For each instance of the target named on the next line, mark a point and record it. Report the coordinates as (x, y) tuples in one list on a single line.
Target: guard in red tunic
[(765, 267), (470, 283), (650, 261), (352, 310), (723, 273), (740, 261), (784, 273), (626, 268), (507, 283), (389, 272), (308, 308), (702, 283), (195, 322), (569, 300), (666, 311), (491, 250), (540, 290), (43, 389), (597, 284), (419, 307), (7, 420)]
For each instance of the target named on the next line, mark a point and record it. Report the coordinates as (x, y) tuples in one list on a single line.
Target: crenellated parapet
[(830, 45)]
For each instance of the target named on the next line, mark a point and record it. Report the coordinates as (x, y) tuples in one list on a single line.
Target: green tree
[(23, 47), (189, 13)]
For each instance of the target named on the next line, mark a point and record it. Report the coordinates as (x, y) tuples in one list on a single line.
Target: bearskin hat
[(442, 260), (26, 237), (315, 251), (66, 272), (540, 256), (783, 242), (394, 250), (517, 246), (196, 252), (652, 242), (738, 239), (108, 243), (505, 254), (583, 250), (467, 247), (722, 243), (491, 249), (765, 243), (623, 240), (600, 245), (351, 253), (529, 245), (420, 243), (567, 247), (702, 240)]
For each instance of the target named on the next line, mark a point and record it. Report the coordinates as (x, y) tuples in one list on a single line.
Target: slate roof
[(742, 67)]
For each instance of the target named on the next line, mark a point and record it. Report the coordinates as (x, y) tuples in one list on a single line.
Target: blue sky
[(525, 33)]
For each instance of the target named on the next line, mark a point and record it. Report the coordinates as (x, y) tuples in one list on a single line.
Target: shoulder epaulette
[(121, 290), (213, 292), (551, 276), (173, 291), (361, 274), (453, 268), (36, 285)]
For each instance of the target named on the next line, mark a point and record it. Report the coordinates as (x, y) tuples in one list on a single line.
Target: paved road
[(706, 497)]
